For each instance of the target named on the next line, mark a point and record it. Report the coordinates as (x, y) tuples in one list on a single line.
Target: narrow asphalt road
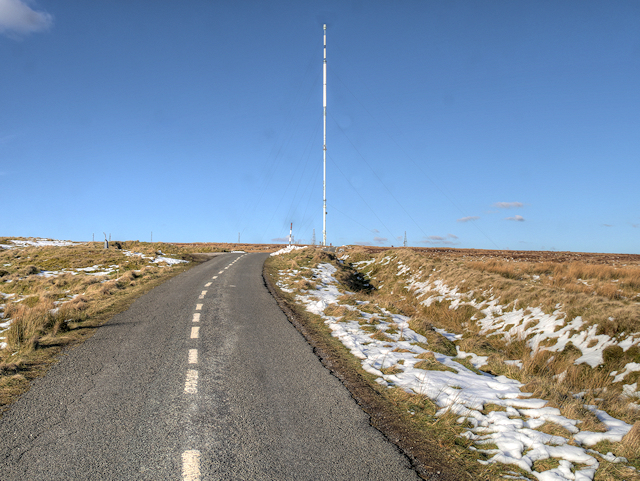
[(202, 378)]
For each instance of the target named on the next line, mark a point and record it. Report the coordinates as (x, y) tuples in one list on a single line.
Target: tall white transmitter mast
[(324, 147)]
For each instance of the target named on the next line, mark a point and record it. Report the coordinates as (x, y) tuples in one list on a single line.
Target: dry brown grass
[(615, 283), (582, 288), (29, 324), (604, 301), (49, 313), (342, 312), (631, 441), (436, 341), (381, 336)]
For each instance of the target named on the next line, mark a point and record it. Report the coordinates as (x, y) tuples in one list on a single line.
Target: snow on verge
[(464, 392), (288, 249)]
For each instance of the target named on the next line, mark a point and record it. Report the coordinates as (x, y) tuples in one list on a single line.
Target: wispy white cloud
[(375, 231), (469, 218), (635, 225), (362, 243), (280, 239), (517, 218), (448, 240), (607, 225), (380, 240), (508, 205), (18, 18)]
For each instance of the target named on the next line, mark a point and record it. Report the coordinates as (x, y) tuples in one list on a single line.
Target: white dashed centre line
[(221, 272), (193, 356), (214, 277), (202, 294), (191, 465), (191, 384), (196, 317), (195, 332), (198, 307), (207, 284)]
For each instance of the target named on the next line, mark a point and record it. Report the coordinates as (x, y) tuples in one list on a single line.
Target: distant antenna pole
[(291, 234), (313, 239), (324, 147), (405, 238), (238, 237), (152, 237)]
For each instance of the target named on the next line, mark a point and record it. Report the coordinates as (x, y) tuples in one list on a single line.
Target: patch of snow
[(629, 341), (628, 369), (402, 269), (631, 390), (385, 260), (516, 362), (451, 337), (44, 242), (476, 361), (610, 457), (288, 249), (615, 432), (170, 261), (560, 377), (361, 264)]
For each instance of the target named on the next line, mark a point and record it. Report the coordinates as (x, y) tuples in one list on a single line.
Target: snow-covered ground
[(155, 259), (543, 331), (38, 242), (286, 250), (509, 435)]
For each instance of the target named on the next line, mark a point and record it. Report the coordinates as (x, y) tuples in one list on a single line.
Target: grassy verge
[(84, 287), (409, 421), (603, 297), (384, 280)]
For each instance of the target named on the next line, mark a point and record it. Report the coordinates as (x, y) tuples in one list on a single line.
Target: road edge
[(421, 454)]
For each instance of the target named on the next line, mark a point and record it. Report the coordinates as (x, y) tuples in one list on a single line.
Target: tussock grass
[(49, 313), (518, 285), (29, 324), (342, 312), (492, 407), (410, 414), (574, 276), (631, 441), (436, 341), (429, 363), (597, 292)]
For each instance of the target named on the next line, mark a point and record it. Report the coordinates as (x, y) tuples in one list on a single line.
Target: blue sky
[(498, 124)]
